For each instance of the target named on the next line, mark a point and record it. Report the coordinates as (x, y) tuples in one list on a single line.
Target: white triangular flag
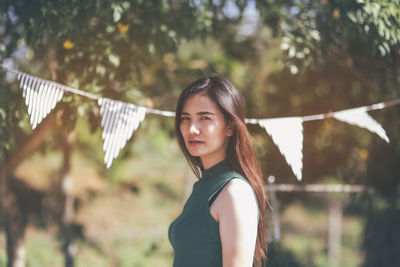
[(118, 120), (360, 117), (287, 134), (40, 96)]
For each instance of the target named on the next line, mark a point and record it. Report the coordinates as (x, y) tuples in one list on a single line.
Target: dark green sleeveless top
[(194, 235)]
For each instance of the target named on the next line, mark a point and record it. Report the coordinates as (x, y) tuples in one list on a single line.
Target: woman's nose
[(193, 129)]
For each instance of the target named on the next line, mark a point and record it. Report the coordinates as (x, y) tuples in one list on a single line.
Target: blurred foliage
[(124, 218), (317, 29), (305, 223), (382, 240), (119, 55), (278, 256), (289, 58)]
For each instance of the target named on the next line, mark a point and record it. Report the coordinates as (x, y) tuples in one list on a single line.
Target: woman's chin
[(195, 153)]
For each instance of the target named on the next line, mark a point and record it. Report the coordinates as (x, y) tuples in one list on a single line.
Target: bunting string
[(119, 119)]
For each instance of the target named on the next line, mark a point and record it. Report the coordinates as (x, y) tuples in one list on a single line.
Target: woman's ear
[(229, 131)]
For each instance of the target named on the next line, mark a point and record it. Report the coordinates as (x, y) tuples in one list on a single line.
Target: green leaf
[(3, 114), (114, 59), (117, 12)]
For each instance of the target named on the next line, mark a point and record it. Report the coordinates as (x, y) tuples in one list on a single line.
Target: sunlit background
[(61, 206)]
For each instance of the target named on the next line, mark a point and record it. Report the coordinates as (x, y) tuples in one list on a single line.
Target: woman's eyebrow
[(205, 113), (200, 113)]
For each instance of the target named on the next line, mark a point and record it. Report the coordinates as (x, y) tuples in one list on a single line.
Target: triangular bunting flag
[(118, 121), (40, 96), (361, 118), (287, 134)]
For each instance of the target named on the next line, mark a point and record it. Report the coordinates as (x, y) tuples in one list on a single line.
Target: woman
[(222, 222)]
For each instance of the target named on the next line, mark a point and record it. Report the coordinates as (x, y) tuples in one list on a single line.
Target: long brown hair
[(240, 151)]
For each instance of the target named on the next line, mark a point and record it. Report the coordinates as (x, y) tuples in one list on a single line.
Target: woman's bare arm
[(236, 210)]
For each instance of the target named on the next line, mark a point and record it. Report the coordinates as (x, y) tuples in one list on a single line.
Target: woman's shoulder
[(236, 184), (239, 186), (238, 192), (237, 201), (236, 188)]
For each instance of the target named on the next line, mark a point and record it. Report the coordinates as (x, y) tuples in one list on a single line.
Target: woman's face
[(204, 129)]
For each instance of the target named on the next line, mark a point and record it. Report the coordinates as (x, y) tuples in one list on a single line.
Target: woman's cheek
[(211, 129), (183, 131)]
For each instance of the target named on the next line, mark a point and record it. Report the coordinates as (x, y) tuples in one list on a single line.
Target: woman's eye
[(205, 118), (184, 118)]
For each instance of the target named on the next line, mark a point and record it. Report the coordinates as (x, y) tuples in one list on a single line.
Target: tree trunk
[(14, 219), (15, 225), (67, 195), (44, 129)]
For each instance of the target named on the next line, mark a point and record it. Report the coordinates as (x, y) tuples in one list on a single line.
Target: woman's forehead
[(200, 103)]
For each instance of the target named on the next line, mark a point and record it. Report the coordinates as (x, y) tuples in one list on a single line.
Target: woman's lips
[(195, 143)]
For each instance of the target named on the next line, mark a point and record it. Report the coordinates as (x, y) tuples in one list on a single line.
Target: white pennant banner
[(40, 96), (360, 117), (287, 134), (118, 120)]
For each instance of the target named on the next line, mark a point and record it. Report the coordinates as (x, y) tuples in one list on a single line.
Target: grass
[(130, 229), (125, 211), (305, 233)]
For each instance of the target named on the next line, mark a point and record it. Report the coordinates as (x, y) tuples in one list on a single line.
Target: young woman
[(222, 222)]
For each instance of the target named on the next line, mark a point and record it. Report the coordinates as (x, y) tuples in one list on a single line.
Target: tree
[(334, 55), (104, 47), (342, 54)]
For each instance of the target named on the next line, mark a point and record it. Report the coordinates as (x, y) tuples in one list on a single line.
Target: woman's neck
[(208, 162)]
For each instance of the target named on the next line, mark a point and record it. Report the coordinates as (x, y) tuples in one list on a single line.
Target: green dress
[(194, 234)]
